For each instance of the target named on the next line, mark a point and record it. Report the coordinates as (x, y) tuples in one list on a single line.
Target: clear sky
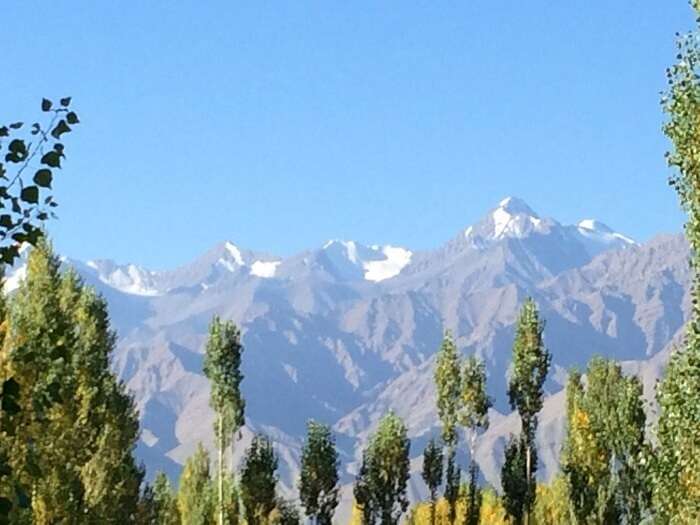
[(279, 125)]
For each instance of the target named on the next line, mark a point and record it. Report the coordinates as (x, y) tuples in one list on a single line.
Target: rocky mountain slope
[(345, 332)]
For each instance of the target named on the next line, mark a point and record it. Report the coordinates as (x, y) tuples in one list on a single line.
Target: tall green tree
[(195, 499), (222, 366), (531, 362), (259, 481), (517, 495), (34, 151), (449, 402), (432, 472), (380, 487), (473, 415), (72, 441), (605, 454), (676, 489), (318, 485), (165, 501)]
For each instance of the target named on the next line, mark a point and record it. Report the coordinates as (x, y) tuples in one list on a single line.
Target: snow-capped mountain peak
[(594, 231), (511, 218)]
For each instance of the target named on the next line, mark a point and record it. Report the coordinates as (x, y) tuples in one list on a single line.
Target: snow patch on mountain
[(128, 278), (233, 250), (374, 263), (395, 261), (596, 230), (264, 269)]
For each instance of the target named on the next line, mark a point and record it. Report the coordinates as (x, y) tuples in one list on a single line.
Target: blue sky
[(279, 125)]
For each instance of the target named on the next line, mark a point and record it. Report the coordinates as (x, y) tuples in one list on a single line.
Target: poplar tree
[(259, 481), (318, 485), (380, 487), (473, 415), (35, 151), (432, 472), (165, 501), (531, 363), (222, 366), (604, 454), (73, 437), (676, 489), (194, 498), (517, 496), (448, 389)]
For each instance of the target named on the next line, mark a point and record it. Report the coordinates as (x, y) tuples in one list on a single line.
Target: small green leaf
[(4, 131), (65, 102), (43, 178), (72, 118), (60, 129), (30, 194), (6, 222), (46, 105), (17, 146), (52, 159), (16, 125)]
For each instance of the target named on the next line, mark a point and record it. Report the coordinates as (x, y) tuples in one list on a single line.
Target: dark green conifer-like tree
[(517, 496), (222, 366), (259, 481), (318, 485), (432, 472)]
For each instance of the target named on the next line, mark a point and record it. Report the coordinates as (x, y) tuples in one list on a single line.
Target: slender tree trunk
[(221, 471), (472, 483), (432, 508), (528, 468)]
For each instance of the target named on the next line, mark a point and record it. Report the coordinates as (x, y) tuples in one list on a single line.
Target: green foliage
[(258, 481), (475, 402), (530, 366), (73, 437), (604, 455), (318, 485), (222, 366), (165, 502), (452, 481), (26, 203), (195, 499), (286, 514), (473, 415), (676, 490), (552, 503), (432, 467), (447, 384), (517, 494), (380, 487)]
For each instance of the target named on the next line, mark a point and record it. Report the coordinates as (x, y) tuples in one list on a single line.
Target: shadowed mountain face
[(346, 332)]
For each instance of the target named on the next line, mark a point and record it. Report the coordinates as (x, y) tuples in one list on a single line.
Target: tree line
[(69, 427)]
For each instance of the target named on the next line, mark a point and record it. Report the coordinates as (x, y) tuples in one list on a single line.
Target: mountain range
[(346, 332)]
